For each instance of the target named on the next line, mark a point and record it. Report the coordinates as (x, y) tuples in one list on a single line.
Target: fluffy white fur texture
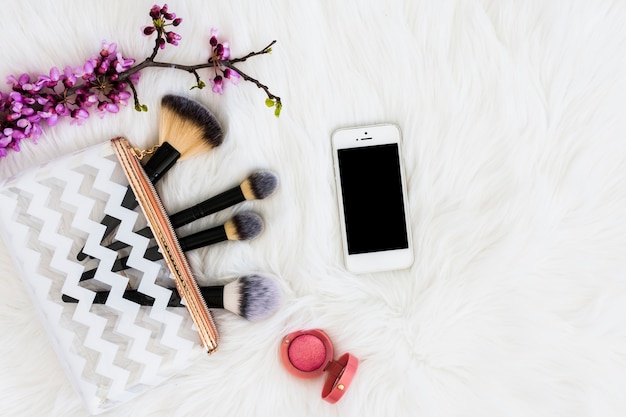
[(514, 123)]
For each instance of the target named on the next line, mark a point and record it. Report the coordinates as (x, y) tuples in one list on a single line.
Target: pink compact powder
[(307, 353)]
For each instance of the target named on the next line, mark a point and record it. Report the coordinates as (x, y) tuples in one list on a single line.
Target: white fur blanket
[(514, 123)]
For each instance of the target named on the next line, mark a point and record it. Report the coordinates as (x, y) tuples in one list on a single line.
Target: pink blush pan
[(307, 353)]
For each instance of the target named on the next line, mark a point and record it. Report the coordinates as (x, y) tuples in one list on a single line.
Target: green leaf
[(269, 102), (279, 107), (144, 107), (199, 86)]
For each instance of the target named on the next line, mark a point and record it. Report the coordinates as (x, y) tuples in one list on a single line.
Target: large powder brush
[(186, 129)]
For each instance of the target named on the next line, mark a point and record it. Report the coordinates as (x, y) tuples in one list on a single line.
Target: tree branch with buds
[(103, 82)]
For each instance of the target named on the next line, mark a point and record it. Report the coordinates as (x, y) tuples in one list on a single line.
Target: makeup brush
[(242, 226), (186, 129), (259, 185), (253, 297)]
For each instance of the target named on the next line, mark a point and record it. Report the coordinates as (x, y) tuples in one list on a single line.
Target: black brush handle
[(131, 295), (204, 238), (207, 207), (159, 163), (212, 205), (197, 240), (213, 295)]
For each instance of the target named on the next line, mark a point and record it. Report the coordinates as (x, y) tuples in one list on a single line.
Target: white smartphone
[(371, 192)]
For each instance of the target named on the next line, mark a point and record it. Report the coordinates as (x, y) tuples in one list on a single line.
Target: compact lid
[(340, 375)]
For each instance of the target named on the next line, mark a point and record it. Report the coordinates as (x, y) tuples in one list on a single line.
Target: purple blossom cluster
[(161, 18), (71, 93), (221, 53)]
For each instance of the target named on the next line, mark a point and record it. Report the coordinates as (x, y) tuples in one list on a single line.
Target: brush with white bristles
[(253, 297)]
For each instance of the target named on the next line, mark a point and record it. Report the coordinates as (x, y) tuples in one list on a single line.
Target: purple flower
[(11, 79), (119, 97), (108, 49), (155, 11), (62, 110), (221, 50), (172, 38), (123, 64), (4, 141), (225, 51), (104, 107), (79, 115), (23, 83), (218, 84), (86, 70), (103, 67), (49, 81), (233, 76), (69, 77), (50, 117), (26, 126)]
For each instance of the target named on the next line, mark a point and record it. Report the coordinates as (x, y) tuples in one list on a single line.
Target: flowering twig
[(102, 83)]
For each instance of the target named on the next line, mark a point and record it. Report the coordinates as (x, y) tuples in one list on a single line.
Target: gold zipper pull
[(141, 153)]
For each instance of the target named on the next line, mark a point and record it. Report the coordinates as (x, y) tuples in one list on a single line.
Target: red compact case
[(309, 353)]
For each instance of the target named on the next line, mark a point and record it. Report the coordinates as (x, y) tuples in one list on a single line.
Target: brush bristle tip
[(247, 225), (188, 125), (262, 184), (259, 297)]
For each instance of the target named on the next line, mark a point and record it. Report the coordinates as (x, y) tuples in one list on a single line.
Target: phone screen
[(372, 198)]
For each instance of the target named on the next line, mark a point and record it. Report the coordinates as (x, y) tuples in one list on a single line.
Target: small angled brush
[(186, 129), (252, 297), (257, 186), (242, 226)]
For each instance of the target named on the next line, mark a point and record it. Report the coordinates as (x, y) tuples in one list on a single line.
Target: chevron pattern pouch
[(115, 352)]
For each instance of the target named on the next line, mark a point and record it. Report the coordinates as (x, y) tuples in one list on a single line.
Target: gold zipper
[(167, 241)]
